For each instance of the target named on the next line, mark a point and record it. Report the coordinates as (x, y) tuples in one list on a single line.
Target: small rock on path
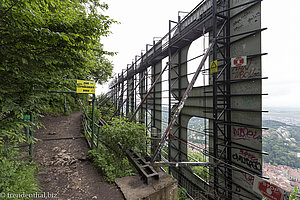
[(65, 172)]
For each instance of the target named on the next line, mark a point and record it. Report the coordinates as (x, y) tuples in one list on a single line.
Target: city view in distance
[(281, 141)]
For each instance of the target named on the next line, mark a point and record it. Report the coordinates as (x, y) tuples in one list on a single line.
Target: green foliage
[(295, 195), (105, 111), (130, 134), (273, 124), (45, 45), (109, 157), (16, 176), (110, 164), (295, 133), (282, 143), (59, 104), (279, 152), (182, 194), (203, 172)]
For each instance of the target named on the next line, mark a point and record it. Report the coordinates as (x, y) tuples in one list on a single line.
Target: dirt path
[(65, 171)]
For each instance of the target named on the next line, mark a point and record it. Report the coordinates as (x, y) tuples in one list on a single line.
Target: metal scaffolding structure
[(230, 104)]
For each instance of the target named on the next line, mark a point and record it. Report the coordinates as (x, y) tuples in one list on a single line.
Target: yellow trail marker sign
[(85, 87), (214, 66)]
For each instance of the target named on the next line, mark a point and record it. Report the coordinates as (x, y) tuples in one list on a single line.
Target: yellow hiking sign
[(85, 87)]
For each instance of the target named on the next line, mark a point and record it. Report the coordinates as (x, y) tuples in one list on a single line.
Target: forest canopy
[(45, 45)]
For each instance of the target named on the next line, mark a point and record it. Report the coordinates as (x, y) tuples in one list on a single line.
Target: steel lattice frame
[(231, 102)]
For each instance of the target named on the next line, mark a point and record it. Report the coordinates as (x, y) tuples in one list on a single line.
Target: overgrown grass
[(17, 173), (60, 104), (182, 194), (16, 176), (109, 157), (110, 164)]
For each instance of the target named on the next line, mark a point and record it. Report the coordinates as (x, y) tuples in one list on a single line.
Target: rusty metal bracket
[(181, 164), (147, 172)]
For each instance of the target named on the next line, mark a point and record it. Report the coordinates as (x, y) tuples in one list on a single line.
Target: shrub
[(110, 164), (16, 176), (182, 194), (109, 157)]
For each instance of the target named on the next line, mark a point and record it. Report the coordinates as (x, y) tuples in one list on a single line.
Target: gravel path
[(65, 172)]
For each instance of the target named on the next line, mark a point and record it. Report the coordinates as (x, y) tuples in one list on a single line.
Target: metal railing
[(91, 129), (28, 131)]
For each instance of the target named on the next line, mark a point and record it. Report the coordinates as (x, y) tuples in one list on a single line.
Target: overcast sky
[(141, 20)]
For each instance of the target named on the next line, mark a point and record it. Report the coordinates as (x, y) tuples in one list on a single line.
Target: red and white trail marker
[(269, 190), (239, 61)]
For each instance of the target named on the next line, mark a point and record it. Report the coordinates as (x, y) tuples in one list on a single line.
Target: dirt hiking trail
[(65, 172)]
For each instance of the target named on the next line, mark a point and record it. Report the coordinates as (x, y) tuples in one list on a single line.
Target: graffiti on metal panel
[(246, 134), (248, 178), (249, 155), (247, 19), (248, 159), (243, 72)]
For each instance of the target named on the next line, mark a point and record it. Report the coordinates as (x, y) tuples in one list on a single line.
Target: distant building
[(294, 175), (284, 176)]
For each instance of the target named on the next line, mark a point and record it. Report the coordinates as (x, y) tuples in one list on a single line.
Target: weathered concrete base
[(134, 188)]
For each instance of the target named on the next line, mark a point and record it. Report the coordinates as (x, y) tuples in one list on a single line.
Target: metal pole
[(31, 137), (228, 102), (148, 92), (170, 107), (65, 104), (142, 92), (170, 96), (98, 130), (134, 78), (117, 93), (107, 110), (129, 95), (122, 94), (93, 121), (180, 118), (182, 101), (215, 109), (132, 95), (154, 100), (146, 111)]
